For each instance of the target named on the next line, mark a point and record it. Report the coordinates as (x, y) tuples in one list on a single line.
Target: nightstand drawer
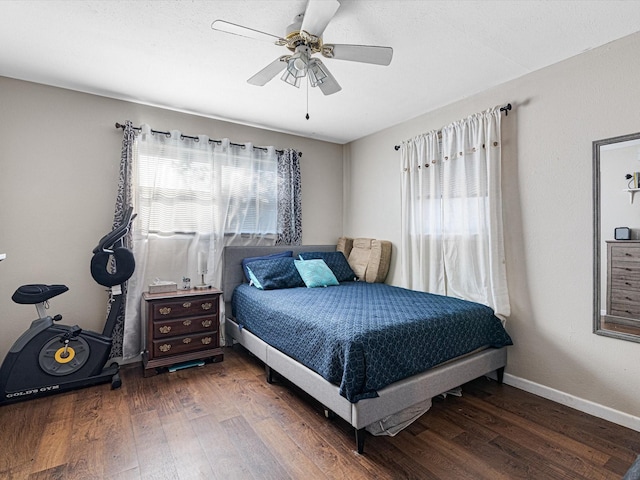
[(187, 343), (186, 307), (184, 326)]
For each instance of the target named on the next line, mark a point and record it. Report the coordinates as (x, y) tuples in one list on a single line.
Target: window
[(452, 212), (182, 187)]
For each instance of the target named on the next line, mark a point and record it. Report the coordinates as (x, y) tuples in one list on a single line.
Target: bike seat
[(37, 293)]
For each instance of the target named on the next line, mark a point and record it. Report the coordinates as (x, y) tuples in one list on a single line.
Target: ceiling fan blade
[(329, 85), (267, 73), (234, 29), (359, 53), (318, 15)]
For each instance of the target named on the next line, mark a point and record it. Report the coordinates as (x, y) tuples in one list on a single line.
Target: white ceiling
[(164, 53)]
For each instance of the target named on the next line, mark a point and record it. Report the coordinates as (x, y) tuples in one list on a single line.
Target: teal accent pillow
[(253, 279), (336, 261), (315, 273), (274, 273)]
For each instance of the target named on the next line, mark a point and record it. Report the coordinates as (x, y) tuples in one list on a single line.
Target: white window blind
[(184, 186)]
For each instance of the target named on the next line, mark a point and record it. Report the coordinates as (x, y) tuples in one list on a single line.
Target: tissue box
[(163, 287)]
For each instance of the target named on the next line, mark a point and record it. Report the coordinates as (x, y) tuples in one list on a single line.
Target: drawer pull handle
[(165, 329), (165, 310), (207, 306), (164, 348), (206, 340), (207, 323), (186, 340), (186, 304), (187, 322)]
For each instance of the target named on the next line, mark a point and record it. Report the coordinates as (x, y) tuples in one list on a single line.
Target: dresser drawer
[(186, 307), (184, 326), (625, 276), (625, 311), (187, 343), (625, 303), (625, 253)]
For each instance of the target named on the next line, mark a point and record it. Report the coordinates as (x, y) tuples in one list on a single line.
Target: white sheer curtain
[(422, 214), (193, 197), (452, 235)]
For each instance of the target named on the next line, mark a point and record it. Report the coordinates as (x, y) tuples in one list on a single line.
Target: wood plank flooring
[(223, 421)]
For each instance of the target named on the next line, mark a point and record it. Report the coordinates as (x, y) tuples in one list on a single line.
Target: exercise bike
[(51, 358)]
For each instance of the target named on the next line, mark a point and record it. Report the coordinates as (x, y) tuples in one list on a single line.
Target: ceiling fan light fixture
[(297, 64), (300, 63), (291, 78), (300, 59), (317, 74)]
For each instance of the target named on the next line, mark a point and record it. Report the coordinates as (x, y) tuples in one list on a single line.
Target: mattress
[(365, 336)]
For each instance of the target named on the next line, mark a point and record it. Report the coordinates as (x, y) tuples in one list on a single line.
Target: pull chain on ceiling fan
[(304, 38)]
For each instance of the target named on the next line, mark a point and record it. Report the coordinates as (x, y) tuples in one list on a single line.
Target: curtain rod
[(118, 125), (504, 109)]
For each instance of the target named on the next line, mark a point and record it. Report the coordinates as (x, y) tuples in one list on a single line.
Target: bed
[(334, 378)]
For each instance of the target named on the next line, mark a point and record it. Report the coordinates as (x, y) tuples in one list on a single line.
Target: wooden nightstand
[(181, 326)]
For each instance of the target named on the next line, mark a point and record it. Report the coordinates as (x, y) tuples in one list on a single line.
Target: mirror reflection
[(617, 237)]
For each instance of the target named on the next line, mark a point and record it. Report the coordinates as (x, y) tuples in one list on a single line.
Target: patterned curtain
[(123, 201), (289, 199)]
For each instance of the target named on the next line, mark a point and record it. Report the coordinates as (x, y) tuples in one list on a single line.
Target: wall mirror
[(616, 214)]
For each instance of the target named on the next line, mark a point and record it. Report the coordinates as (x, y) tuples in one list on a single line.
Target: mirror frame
[(597, 294)]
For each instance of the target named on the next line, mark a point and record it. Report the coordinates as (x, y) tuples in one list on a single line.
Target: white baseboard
[(580, 404)]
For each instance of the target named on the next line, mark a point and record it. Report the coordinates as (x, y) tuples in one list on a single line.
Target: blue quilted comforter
[(365, 336)]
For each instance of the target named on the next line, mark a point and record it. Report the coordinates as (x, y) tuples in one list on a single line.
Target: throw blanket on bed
[(365, 336)]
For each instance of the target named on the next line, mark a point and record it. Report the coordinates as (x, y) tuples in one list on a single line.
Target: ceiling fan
[(304, 38)]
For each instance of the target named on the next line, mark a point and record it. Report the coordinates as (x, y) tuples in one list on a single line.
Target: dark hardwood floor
[(223, 421)]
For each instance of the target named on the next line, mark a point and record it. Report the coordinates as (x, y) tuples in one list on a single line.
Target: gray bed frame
[(391, 399)]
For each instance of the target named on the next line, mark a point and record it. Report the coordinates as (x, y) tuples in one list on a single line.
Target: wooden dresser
[(181, 326), (623, 278)]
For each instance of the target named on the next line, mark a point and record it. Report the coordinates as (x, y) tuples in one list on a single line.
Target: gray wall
[(547, 175), (59, 160)]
